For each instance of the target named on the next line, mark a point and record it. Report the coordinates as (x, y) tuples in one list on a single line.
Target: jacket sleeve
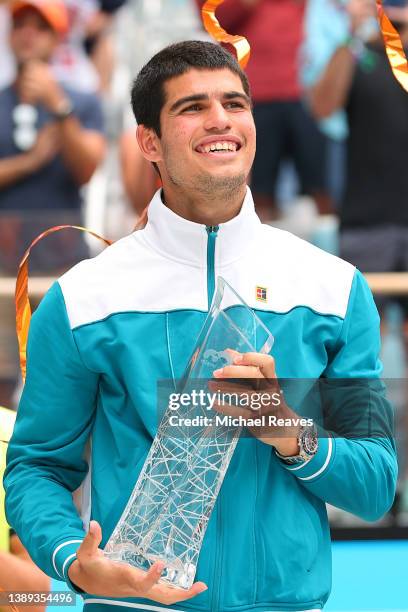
[(46, 455), (355, 467)]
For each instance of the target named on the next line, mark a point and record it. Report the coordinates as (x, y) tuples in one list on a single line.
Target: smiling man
[(202, 138), (113, 326)]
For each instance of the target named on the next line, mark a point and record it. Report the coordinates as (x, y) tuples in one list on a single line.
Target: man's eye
[(192, 108), (234, 105)]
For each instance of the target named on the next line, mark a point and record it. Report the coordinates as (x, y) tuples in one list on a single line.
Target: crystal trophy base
[(167, 514)]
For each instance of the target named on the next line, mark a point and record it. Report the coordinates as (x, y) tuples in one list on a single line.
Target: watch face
[(308, 444), (65, 110), (309, 441)]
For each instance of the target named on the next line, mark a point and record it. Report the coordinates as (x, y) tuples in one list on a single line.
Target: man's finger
[(238, 371), (91, 541), (233, 353), (248, 365), (170, 595), (196, 589), (265, 363), (151, 577)]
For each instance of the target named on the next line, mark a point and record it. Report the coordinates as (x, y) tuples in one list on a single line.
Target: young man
[(114, 325)]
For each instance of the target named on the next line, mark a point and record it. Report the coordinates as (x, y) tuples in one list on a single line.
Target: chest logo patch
[(261, 294)]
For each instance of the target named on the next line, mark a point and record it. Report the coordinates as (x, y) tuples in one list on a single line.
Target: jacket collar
[(185, 241)]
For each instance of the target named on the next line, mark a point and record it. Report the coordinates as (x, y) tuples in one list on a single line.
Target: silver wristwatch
[(308, 444)]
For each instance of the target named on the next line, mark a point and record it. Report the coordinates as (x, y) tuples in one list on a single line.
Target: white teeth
[(219, 146)]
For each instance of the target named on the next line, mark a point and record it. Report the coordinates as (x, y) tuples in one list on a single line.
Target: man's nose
[(217, 117)]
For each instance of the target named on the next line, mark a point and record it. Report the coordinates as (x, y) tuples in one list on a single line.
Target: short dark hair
[(148, 96)]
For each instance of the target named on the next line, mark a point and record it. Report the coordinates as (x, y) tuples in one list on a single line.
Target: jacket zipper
[(212, 231)]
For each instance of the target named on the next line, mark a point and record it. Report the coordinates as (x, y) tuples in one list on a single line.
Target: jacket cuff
[(313, 468), (70, 584), (62, 558)]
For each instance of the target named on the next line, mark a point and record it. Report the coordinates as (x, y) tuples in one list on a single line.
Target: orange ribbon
[(23, 307), (393, 46), (212, 25)]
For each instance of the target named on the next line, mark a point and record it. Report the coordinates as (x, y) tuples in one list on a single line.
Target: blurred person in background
[(99, 42), (358, 78), (51, 142), (326, 28), (70, 62), (85, 58), (373, 211), (140, 180), (285, 128), (6, 58)]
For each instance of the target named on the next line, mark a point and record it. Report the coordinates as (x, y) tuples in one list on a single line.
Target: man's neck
[(203, 209)]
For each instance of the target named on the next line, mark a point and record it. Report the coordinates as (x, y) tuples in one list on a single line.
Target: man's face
[(207, 132), (31, 37)]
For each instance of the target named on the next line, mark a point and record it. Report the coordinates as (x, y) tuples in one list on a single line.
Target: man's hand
[(95, 574), (38, 85), (359, 12), (259, 367), (46, 147)]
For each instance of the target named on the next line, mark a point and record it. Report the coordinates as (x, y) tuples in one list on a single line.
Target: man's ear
[(149, 143)]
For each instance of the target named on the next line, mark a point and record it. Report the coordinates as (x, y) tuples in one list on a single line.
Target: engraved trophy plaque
[(167, 514)]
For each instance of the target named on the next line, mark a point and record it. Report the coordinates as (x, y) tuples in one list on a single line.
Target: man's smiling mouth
[(219, 145)]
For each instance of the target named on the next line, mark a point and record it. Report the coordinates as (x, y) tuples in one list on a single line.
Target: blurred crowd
[(332, 130)]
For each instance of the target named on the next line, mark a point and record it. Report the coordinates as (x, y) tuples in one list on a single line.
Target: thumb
[(91, 541), (233, 354)]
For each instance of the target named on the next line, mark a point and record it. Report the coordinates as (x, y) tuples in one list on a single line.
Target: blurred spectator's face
[(222, 114), (31, 37)]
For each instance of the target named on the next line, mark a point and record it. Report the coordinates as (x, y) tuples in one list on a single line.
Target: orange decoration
[(213, 27), (393, 46), (22, 301)]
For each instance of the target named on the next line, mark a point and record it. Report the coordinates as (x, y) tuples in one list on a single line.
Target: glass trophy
[(167, 514)]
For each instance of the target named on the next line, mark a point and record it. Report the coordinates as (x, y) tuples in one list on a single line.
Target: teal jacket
[(114, 325)]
